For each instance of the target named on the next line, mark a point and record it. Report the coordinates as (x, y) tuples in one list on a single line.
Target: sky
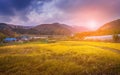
[(88, 13)]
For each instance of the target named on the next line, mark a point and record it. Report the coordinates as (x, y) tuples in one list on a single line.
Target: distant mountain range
[(43, 29), (6, 29), (58, 29), (53, 29)]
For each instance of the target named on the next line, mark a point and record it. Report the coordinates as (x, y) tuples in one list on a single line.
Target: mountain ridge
[(112, 27), (42, 29)]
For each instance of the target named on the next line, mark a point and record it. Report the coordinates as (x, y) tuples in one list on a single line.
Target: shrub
[(115, 38), (2, 36)]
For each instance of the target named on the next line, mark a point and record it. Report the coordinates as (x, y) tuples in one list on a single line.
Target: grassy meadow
[(60, 58)]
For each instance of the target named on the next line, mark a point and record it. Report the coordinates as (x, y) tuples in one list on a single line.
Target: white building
[(102, 38)]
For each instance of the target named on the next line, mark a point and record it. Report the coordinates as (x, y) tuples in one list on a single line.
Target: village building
[(10, 40)]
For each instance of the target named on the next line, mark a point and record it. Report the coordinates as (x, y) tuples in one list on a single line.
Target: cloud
[(8, 7), (73, 12), (14, 8), (47, 13), (107, 6), (82, 11), (21, 11)]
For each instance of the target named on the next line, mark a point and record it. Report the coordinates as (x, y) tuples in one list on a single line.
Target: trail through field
[(107, 48)]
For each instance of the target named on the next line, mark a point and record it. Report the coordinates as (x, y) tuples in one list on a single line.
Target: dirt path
[(107, 48)]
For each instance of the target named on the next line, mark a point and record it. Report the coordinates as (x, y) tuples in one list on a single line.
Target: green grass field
[(60, 58)]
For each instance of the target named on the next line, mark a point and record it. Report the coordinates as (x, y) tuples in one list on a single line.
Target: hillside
[(12, 30), (6, 30), (53, 29), (42, 29), (111, 27)]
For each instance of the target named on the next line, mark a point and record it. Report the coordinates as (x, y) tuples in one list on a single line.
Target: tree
[(2, 36), (79, 36), (115, 37)]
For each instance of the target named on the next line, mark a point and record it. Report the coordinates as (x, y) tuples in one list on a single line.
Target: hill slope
[(12, 30), (43, 29), (53, 29), (111, 27), (6, 29)]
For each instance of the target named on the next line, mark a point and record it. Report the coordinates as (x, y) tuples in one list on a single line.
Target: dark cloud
[(5, 8), (20, 8), (20, 4), (12, 8), (8, 7)]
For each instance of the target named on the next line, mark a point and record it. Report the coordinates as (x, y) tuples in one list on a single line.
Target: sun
[(92, 24)]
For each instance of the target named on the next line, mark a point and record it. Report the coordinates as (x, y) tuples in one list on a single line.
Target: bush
[(2, 36), (115, 38), (78, 36)]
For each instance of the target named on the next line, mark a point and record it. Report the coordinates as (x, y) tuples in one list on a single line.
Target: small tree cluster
[(116, 38), (2, 36)]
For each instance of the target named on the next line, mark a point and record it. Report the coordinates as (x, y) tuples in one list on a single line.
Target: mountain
[(42, 29), (53, 29), (112, 27), (13, 30), (20, 27), (6, 29), (59, 29)]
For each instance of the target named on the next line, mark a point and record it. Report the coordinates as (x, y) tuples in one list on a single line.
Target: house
[(10, 40), (24, 38)]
